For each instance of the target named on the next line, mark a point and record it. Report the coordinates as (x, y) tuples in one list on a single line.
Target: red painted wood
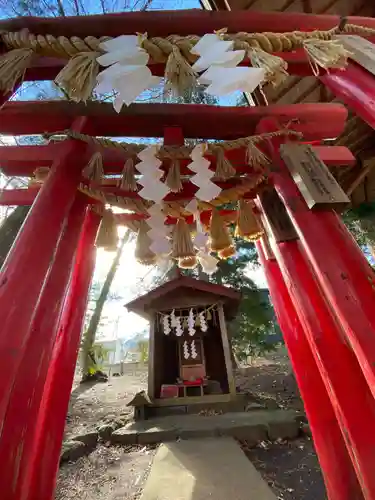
[(343, 378), (24, 271), (339, 475), (54, 405), (183, 22), (355, 87), (23, 160), (342, 269), (19, 426), (315, 121)]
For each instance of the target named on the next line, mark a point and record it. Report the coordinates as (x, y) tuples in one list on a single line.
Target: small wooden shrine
[(189, 351)]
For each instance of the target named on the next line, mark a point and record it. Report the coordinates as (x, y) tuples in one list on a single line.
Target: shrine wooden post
[(40, 482), (339, 475), (23, 274), (342, 270), (20, 422)]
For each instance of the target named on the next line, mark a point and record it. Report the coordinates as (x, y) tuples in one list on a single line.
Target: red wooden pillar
[(18, 430), (356, 88), (339, 475), (54, 405), (343, 272), (350, 395), (24, 271)]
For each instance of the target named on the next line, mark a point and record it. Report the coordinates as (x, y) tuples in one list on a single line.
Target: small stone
[(72, 451), (90, 439), (105, 431)]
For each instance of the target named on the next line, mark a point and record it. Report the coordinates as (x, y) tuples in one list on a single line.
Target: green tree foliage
[(361, 223), (9, 230)]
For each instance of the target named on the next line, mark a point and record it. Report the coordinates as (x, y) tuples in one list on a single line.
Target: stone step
[(252, 427), (202, 469)]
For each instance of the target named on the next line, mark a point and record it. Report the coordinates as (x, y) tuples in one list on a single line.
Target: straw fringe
[(78, 77), (227, 252), (224, 168), (220, 238), (107, 236), (247, 224), (182, 245), (94, 170), (188, 262), (255, 157), (173, 179), (127, 181), (179, 74), (275, 67), (142, 253), (326, 54), (13, 65)]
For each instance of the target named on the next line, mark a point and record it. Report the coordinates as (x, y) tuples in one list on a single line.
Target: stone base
[(252, 427)]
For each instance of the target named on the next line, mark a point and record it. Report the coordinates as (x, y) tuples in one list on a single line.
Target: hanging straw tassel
[(188, 262), (173, 180), (78, 77), (227, 252), (224, 168), (127, 181), (247, 224), (182, 245), (274, 66), (220, 238), (326, 54), (94, 170), (107, 235), (13, 65), (255, 157), (143, 254), (179, 75)]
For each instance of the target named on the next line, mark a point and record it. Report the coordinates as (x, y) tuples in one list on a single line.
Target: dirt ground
[(115, 473)]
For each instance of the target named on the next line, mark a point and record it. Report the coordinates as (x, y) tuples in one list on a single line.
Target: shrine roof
[(230, 297)]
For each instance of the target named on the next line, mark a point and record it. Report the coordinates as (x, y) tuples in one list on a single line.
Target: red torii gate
[(321, 285)]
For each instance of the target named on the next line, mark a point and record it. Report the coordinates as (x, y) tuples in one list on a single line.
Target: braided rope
[(172, 152), (160, 48)]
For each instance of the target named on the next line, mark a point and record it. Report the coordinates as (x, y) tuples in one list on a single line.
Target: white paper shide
[(126, 70), (219, 62)]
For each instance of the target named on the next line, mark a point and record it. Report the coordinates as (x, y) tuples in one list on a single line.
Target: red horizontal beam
[(23, 160), (184, 22), (26, 196), (356, 88), (314, 121)]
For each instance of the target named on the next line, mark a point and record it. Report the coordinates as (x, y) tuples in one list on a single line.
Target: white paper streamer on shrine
[(186, 350), (191, 323), (179, 328), (194, 353), (127, 72), (166, 327), (207, 189), (173, 319), (203, 322), (153, 188), (220, 61), (158, 232)]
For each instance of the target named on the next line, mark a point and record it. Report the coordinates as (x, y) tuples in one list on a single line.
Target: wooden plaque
[(275, 218), (362, 51), (313, 178)]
